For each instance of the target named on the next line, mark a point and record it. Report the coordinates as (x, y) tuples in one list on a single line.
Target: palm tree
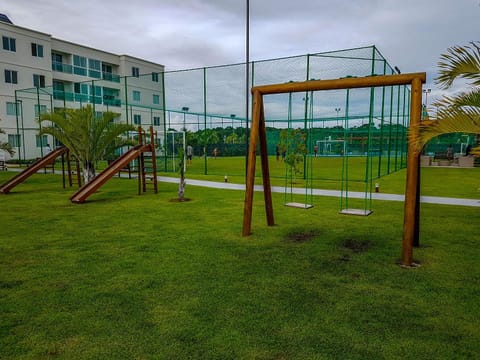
[(87, 136), (5, 146), (458, 113)]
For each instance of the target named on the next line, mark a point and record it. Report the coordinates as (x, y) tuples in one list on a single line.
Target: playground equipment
[(41, 163), (258, 136), (147, 172)]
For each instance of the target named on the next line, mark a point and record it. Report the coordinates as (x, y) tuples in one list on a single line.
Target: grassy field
[(141, 277)]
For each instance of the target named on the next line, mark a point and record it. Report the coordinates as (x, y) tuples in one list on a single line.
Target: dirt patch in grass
[(356, 246), (178, 200), (301, 236)]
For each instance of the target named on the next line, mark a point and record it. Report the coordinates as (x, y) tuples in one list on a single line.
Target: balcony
[(62, 95), (110, 100), (94, 74), (110, 77), (60, 67)]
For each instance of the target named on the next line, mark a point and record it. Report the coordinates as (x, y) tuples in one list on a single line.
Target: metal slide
[(86, 190), (32, 169)]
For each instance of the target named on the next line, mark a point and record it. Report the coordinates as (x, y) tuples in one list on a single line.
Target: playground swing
[(298, 144), (345, 202)]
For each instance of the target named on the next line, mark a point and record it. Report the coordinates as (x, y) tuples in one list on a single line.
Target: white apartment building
[(39, 73)]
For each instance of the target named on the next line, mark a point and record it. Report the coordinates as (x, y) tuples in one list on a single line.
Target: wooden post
[(154, 159), (267, 191), (139, 166), (252, 148), (416, 234), (410, 222)]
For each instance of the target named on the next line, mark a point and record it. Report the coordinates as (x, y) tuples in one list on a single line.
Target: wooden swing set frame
[(258, 135)]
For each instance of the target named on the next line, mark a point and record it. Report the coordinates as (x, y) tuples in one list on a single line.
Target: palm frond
[(5, 146), (446, 122), (459, 61), (86, 135), (467, 99)]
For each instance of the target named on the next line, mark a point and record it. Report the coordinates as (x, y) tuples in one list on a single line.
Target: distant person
[(468, 150), (48, 149), (215, 153), (450, 152), (284, 153), (277, 152), (189, 154), (315, 150)]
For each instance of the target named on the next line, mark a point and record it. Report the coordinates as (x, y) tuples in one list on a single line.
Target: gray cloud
[(411, 34)]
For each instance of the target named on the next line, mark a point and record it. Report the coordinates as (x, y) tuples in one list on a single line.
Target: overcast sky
[(180, 34)]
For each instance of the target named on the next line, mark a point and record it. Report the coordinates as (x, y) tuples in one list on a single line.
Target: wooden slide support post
[(140, 173), (411, 222), (153, 142), (412, 203)]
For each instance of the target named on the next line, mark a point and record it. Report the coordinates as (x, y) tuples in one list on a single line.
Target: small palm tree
[(5, 146), (87, 136), (459, 113)]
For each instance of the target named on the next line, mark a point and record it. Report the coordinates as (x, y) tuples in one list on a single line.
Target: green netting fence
[(208, 104)]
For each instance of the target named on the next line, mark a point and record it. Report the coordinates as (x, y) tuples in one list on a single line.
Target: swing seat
[(358, 212), (299, 205)]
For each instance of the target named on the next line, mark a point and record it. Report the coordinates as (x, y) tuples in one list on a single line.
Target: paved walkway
[(332, 193), (317, 192)]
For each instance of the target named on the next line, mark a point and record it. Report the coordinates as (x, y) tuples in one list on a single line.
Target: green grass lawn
[(141, 277)]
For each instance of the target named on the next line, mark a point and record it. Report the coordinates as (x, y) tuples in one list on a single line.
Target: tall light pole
[(424, 107), (426, 92), (337, 110), (184, 109)]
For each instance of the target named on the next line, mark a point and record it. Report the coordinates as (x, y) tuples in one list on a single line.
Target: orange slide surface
[(32, 169), (86, 190)]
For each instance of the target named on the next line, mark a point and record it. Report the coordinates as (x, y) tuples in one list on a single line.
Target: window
[(14, 140), (38, 81), (79, 65), (156, 99), (58, 85), (96, 94), (11, 77), (41, 141), (107, 68), (136, 95), (110, 96), (80, 88), (58, 65), (57, 58), (12, 108), (9, 43), (154, 76), (94, 68), (135, 71), (156, 120), (37, 50), (43, 110), (137, 119)]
